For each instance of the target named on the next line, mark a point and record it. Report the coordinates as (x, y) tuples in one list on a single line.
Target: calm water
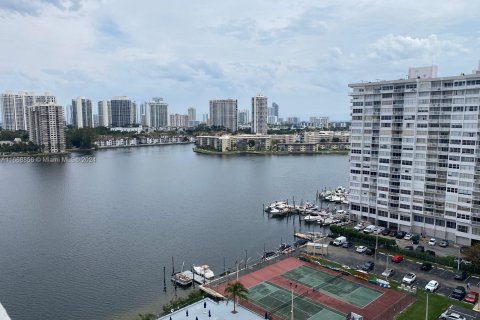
[(89, 241)]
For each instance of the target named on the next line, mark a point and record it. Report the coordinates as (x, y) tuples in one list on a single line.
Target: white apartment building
[(259, 114), (46, 127), (14, 108), (104, 113), (224, 113), (82, 116), (415, 146), (156, 113)]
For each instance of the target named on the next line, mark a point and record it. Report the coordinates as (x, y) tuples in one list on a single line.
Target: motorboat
[(204, 270)]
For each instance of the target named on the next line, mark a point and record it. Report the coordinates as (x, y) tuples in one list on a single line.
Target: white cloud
[(397, 47)]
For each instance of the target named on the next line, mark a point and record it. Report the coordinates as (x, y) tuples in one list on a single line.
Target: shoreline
[(269, 153), (34, 155), (132, 146)]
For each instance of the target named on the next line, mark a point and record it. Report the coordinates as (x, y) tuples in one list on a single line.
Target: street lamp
[(426, 309)]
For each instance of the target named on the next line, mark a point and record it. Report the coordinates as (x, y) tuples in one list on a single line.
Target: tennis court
[(333, 285), (278, 301)]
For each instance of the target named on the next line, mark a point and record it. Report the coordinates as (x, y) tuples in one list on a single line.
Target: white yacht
[(204, 270)]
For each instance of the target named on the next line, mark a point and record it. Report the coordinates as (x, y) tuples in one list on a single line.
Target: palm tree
[(235, 290)]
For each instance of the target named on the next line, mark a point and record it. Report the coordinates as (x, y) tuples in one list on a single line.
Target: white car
[(450, 315), (408, 236), (431, 286), (361, 249), (359, 227), (379, 230), (409, 278), (388, 273), (432, 242)]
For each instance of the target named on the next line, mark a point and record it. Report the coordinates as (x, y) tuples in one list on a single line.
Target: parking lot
[(444, 276), (468, 314)]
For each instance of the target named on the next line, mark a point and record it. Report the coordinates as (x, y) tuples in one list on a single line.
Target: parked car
[(430, 252), (397, 258), (379, 230), (420, 248), (461, 275), (370, 251), (369, 229), (359, 227), (361, 249), (408, 248), (450, 315), (400, 234), (388, 273), (368, 266), (393, 233), (431, 286), (408, 236), (443, 243), (458, 293), (386, 232), (426, 266), (347, 244), (432, 242), (471, 297), (415, 241), (409, 278)]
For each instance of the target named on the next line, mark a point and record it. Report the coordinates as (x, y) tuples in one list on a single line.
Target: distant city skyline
[(302, 55)]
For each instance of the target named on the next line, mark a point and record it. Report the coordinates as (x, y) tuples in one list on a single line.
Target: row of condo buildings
[(311, 142), (415, 154)]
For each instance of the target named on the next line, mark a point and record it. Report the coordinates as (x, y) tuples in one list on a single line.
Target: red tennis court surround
[(386, 306)]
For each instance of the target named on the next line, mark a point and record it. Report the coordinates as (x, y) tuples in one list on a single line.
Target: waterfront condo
[(414, 161)]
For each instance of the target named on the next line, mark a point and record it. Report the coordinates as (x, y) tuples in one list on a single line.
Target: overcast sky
[(300, 54)]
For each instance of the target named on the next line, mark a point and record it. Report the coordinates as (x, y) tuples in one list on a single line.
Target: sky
[(300, 54)]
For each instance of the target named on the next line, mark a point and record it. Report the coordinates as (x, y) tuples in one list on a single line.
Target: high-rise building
[(259, 114), (206, 119), (82, 116), (14, 108), (223, 113), (244, 117), (271, 117), (192, 114), (275, 109), (156, 113), (46, 127), (179, 120), (104, 113), (319, 122), (414, 145), (123, 112)]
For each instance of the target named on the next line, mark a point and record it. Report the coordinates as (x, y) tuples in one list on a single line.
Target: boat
[(204, 270), (182, 278)]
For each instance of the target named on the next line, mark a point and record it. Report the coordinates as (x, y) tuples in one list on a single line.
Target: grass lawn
[(436, 305)]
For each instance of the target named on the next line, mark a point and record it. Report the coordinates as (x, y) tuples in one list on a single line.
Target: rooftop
[(218, 311)]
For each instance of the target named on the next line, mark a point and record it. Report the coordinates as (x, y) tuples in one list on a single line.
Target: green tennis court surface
[(334, 286), (278, 302)]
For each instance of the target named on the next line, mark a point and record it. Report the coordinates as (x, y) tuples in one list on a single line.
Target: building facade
[(104, 113), (179, 120), (82, 116), (223, 113), (123, 112), (46, 127), (14, 107), (259, 114), (192, 114), (243, 117), (156, 113), (414, 145)]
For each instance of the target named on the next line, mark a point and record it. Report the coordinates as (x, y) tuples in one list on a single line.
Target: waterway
[(88, 241)]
